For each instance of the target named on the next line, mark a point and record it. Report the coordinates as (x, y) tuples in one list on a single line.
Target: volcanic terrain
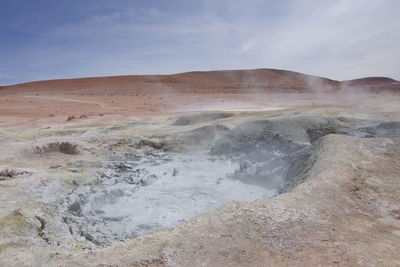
[(257, 167)]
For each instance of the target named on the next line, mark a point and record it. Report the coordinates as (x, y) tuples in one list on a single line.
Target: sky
[(338, 39)]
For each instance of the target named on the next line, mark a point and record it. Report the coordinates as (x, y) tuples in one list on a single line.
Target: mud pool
[(146, 191), (133, 198)]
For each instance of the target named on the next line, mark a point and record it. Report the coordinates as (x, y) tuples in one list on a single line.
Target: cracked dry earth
[(312, 187)]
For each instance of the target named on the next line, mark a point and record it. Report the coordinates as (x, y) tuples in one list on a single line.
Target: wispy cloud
[(339, 39)]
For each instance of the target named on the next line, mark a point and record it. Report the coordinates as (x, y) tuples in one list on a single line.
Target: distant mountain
[(371, 81), (202, 80), (374, 83), (224, 80)]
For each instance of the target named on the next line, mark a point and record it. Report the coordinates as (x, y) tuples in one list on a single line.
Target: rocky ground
[(304, 186)]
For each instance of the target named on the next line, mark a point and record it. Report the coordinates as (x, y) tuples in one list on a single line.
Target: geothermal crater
[(163, 180), (269, 178)]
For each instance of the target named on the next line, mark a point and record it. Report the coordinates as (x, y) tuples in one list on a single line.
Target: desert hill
[(235, 79), (374, 83), (370, 81), (226, 80)]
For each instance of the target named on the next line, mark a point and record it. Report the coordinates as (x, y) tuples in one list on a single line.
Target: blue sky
[(343, 39)]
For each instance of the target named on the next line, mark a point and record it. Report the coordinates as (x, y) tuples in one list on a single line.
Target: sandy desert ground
[(43, 102), (242, 168)]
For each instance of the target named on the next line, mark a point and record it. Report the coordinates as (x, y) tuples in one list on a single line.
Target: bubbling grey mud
[(157, 187), (133, 198)]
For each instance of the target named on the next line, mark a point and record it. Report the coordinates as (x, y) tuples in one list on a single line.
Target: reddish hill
[(281, 80), (233, 79), (374, 83), (371, 81)]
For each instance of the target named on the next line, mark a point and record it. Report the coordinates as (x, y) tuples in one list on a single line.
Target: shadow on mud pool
[(155, 189)]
